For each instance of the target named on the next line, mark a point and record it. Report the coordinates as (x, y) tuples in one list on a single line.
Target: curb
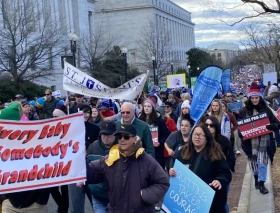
[(251, 200), (244, 200), (260, 203)]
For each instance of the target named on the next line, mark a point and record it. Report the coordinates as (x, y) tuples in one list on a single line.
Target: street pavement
[(237, 181)]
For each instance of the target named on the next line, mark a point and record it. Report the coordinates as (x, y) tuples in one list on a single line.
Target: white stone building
[(127, 19), (224, 51)]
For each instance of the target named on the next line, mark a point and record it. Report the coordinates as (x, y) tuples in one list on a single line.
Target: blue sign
[(226, 81), (187, 192), (207, 86), (235, 107)]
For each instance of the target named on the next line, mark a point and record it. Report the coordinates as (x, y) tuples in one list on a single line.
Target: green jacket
[(143, 131), (49, 107)]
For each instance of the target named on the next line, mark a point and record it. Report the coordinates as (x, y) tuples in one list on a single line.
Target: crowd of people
[(128, 168)]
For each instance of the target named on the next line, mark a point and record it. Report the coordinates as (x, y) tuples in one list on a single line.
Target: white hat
[(186, 103), (58, 113)]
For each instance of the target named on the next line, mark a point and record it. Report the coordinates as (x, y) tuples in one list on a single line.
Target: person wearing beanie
[(32, 201), (155, 120), (105, 110), (258, 149), (185, 110), (184, 96)]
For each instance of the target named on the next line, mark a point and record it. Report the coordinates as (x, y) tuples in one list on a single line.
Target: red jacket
[(108, 113), (172, 127)]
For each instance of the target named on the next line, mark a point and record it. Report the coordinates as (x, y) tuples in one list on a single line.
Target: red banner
[(254, 126)]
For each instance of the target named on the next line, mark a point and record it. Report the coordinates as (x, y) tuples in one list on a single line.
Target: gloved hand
[(272, 127)]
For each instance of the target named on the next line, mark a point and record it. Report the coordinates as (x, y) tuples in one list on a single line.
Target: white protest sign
[(76, 81), (56, 94), (42, 154)]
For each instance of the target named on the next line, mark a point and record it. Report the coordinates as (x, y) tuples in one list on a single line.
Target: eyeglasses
[(125, 112), (126, 137), (209, 125), (47, 94), (197, 135), (229, 96)]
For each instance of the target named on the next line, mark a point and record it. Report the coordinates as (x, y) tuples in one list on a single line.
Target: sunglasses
[(209, 125), (126, 137), (167, 106), (125, 112), (47, 94)]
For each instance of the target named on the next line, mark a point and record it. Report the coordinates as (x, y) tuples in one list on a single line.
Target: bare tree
[(94, 46), (156, 42), (262, 45), (29, 40), (256, 8)]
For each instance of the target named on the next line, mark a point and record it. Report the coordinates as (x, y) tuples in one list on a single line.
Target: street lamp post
[(189, 76), (73, 46), (154, 68), (172, 68), (124, 53)]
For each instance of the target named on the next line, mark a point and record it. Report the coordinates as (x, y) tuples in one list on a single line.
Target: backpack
[(276, 103)]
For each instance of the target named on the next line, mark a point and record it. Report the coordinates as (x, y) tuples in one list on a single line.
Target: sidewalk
[(251, 200)]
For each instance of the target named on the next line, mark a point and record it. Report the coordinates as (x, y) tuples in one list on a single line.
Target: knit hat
[(40, 102), (186, 103), (105, 103), (32, 103), (59, 104), (12, 112), (58, 113), (151, 101), (254, 90)]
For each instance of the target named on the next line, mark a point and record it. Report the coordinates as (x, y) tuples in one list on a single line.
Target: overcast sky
[(207, 15)]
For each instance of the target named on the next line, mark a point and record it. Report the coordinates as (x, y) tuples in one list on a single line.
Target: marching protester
[(155, 120), (32, 201), (98, 148), (169, 111), (139, 185), (105, 110), (205, 158), (49, 104), (184, 96), (258, 149), (73, 105), (27, 114), (217, 111), (178, 138), (142, 128), (77, 195), (185, 109), (232, 119), (96, 117)]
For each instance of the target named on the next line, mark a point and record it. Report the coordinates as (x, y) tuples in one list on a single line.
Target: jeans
[(227, 208), (77, 198), (277, 137), (98, 207), (262, 170)]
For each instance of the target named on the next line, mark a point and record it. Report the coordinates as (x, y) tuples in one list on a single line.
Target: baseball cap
[(126, 129), (19, 96), (108, 128)]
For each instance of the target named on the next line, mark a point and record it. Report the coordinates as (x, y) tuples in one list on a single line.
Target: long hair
[(220, 113), (99, 117), (152, 119), (212, 150), (260, 107), (216, 125), (225, 104)]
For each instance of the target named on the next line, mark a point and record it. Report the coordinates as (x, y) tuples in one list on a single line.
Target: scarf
[(259, 150)]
